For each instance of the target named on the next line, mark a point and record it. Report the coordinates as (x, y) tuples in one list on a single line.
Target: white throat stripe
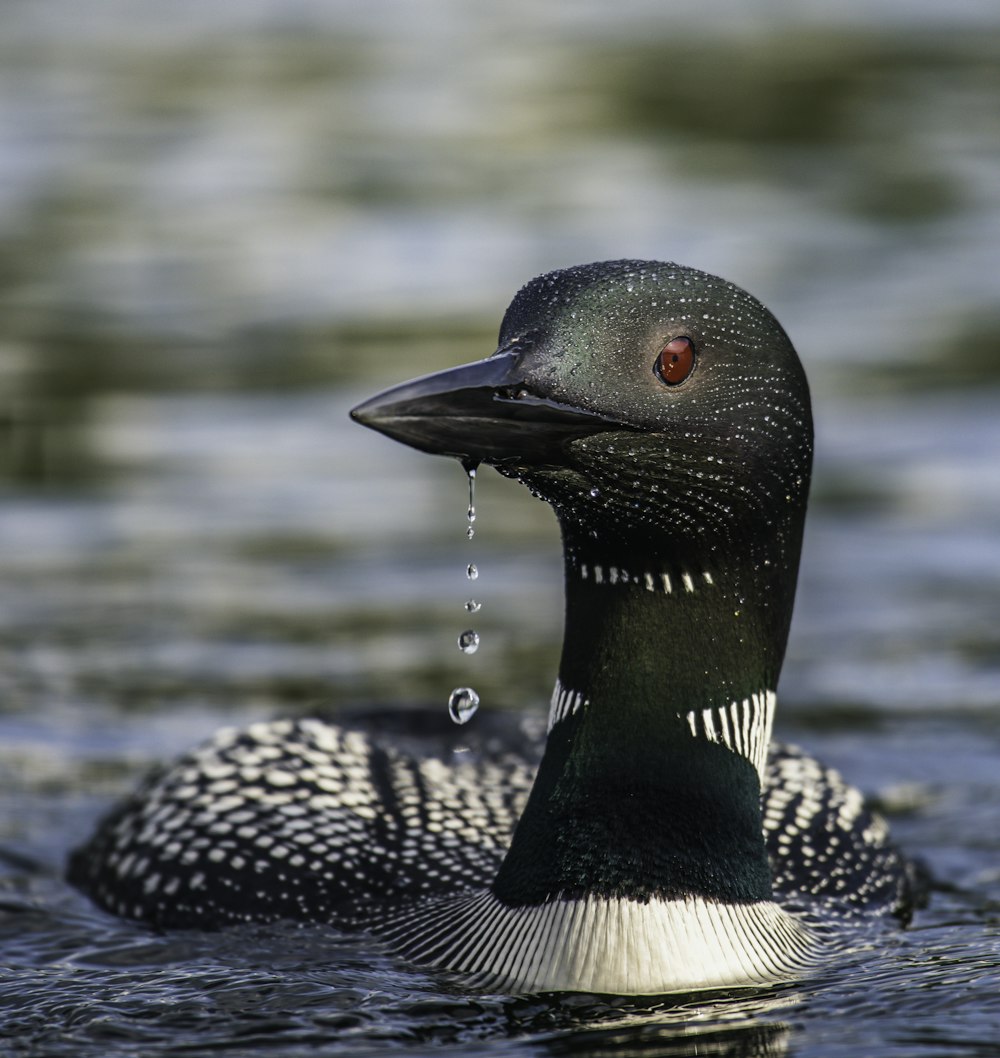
[(654, 582)]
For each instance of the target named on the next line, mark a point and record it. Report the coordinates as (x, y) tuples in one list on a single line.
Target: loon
[(663, 843)]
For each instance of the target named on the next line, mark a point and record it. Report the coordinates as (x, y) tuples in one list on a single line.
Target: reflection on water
[(746, 1024), (225, 224)]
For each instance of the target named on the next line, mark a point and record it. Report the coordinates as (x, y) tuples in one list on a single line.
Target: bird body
[(661, 843)]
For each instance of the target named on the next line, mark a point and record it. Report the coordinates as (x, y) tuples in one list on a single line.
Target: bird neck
[(651, 778)]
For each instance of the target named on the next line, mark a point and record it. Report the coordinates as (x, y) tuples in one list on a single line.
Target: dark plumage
[(664, 415)]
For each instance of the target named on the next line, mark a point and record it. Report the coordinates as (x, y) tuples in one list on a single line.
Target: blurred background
[(223, 224)]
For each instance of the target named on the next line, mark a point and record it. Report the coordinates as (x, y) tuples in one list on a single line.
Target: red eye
[(676, 360)]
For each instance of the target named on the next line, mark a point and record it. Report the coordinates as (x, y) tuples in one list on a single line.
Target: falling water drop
[(470, 514), (471, 471), (464, 701), (468, 641), (462, 704)]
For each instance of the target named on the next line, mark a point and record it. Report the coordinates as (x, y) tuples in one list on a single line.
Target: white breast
[(597, 944)]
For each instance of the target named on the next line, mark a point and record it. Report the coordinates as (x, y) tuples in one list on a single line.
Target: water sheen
[(223, 224)]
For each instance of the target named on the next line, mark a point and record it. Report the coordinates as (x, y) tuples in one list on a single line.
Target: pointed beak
[(483, 412)]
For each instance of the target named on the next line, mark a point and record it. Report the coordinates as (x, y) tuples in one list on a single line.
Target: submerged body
[(662, 843)]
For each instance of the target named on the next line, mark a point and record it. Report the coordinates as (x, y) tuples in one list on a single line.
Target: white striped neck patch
[(565, 702), (744, 727), (661, 583), (741, 726)]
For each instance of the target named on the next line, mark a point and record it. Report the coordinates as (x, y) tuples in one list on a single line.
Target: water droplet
[(462, 704), (471, 572), (595, 492), (468, 641), (471, 513), (472, 606), (470, 532)]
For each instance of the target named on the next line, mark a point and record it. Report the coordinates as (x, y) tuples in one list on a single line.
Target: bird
[(658, 841)]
